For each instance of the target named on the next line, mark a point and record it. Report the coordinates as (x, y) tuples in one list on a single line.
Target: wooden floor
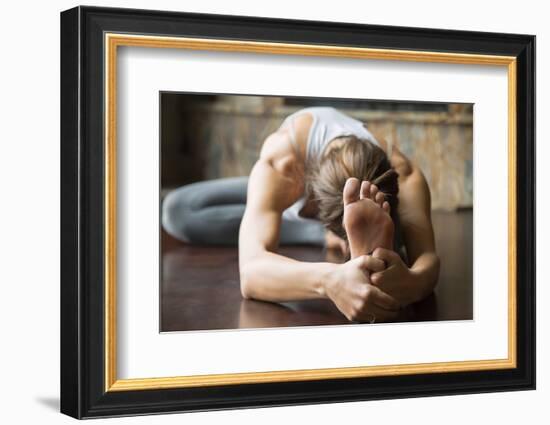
[(200, 286)]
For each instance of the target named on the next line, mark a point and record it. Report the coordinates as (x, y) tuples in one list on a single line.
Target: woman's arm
[(415, 216), (274, 184), (272, 187), (415, 282)]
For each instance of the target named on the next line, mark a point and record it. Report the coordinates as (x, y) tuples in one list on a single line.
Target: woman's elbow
[(252, 276), (246, 282), (436, 269), (246, 291)]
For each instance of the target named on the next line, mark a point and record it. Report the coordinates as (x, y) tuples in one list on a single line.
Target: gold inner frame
[(113, 41)]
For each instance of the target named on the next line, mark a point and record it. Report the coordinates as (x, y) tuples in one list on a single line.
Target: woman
[(321, 178)]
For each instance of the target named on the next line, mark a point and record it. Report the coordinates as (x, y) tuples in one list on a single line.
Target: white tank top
[(327, 124)]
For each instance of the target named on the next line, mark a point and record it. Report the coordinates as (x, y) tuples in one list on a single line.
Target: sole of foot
[(367, 218)]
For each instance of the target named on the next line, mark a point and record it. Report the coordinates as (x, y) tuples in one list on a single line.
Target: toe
[(386, 206), (351, 190), (380, 198), (365, 189), (373, 191)]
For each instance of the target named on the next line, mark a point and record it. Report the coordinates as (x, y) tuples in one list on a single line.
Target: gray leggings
[(210, 212)]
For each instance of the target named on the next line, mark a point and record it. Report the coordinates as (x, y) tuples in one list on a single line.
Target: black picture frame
[(83, 392)]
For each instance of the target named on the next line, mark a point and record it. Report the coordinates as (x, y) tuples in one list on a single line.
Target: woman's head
[(346, 157)]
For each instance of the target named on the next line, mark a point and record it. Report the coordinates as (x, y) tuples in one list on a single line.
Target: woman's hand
[(350, 288), (397, 280)]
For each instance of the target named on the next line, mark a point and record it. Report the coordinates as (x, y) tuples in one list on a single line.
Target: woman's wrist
[(327, 278)]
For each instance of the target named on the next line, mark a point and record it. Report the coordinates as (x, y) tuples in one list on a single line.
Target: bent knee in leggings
[(208, 211), (174, 215)]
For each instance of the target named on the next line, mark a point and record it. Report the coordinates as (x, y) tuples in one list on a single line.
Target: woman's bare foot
[(366, 218)]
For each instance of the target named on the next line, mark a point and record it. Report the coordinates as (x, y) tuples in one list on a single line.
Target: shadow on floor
[(49, 402)]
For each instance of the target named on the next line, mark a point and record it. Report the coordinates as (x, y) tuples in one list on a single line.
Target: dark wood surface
[(200, 286)]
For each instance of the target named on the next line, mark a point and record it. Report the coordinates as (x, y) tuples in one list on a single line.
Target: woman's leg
[(206, 212), (310, 232), (210, 212)]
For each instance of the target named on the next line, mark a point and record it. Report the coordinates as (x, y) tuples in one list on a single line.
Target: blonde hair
[(354, 157)]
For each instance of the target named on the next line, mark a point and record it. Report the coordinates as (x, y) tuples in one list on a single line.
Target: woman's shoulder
[(302, 123), (294, 131), (279, 151), (405, 167)]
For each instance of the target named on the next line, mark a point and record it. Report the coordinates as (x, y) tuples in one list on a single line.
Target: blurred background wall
[(211, 136)]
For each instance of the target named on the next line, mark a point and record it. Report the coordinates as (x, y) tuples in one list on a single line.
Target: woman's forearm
[(272, 277)]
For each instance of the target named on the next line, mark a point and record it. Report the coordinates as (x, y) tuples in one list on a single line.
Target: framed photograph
[(260, 212)]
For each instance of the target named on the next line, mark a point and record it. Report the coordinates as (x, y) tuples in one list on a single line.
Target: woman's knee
[(186, 210), (175, 213)]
